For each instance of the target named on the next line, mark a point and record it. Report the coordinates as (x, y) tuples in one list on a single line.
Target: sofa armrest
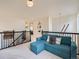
[(73, 50), (38, 39), (73, 45)]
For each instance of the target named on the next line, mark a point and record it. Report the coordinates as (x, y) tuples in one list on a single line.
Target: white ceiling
[(18, 8)]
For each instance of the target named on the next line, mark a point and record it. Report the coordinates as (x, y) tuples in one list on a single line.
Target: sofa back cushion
[(44, 37), (66, 40)]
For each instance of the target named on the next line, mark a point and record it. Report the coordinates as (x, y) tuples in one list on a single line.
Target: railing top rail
[(14, 31), (60, 32), (20, 31)]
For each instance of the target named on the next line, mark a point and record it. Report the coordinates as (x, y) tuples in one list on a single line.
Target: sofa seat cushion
[(37, 47), (60, 50), (60, 47)]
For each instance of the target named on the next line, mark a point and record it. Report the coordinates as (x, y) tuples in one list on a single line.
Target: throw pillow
[(66, 41), (52, 40), (48, 39), (58, 40)]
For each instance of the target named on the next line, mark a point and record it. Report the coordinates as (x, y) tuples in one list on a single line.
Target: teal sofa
[(67, 49)]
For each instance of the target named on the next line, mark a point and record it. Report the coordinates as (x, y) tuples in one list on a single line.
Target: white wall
[(78, 32), (11, 24), (10, 17), (50, 23), (59, 22), (78, 23)]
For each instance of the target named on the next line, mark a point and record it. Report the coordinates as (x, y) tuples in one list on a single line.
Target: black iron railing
[(74, 36), (13, 38)]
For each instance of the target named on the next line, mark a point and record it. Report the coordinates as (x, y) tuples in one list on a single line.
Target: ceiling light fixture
[(29, 3)]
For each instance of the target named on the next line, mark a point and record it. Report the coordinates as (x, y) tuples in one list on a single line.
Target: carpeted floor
[(77, 56), (23, 52)]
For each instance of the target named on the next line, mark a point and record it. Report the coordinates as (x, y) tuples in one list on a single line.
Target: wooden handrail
[(63, 28), (14, 31), (66, 27), (60, 32)]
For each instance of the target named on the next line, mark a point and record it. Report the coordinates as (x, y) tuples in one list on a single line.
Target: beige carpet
[(23, 52), (77, 56)]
